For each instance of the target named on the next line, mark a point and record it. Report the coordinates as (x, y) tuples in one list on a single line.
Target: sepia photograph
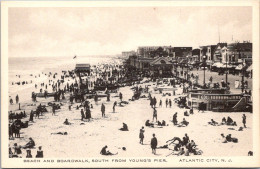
[(114, 84)]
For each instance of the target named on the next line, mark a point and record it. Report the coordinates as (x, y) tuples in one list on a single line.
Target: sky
[(82, 31)]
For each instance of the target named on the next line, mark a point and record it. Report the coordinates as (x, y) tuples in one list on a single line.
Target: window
[(163, 62)]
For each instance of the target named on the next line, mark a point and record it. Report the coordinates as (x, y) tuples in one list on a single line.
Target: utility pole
[(226, 71)]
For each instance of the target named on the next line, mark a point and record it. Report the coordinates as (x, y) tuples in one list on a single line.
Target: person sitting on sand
[(224, 121), (66, 122), (124, 128), (184, 123), (28, 155), (11, 154), (229, 138), (61, 133), (163, 123), (17, 149), (213, 122), (148, 124), (191, 146), (30, 144), (104, 151), (240, 129), (229, 121), (174, 119), (39, 152), (186, 113), (181, 152), (223, 138)]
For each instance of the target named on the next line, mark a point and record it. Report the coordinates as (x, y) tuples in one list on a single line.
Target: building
[(207, 51), (181, 51), (193, 57), (126, 54), (236, 53), (217, 57), (144, 63), (133, 60), (161, 67), (151, 51)]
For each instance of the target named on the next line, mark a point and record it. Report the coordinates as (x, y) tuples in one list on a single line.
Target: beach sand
[(87, 140)]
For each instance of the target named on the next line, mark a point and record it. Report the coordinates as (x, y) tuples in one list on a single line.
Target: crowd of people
[(62, 91)]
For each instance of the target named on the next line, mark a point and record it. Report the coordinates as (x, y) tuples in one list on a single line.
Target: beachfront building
[(194, 57), (217, 56), (152, 51), (236, 53), (208, 51), (181, 52), (161, 67), (144, 63), (126, 54)]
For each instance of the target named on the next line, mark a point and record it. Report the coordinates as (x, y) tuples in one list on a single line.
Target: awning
[(227, 66), (249, 69), (218, 65), (240, 67)]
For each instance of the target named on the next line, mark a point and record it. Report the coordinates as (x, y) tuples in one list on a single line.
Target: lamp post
[(226, 71), (204, 64), (187, 68)]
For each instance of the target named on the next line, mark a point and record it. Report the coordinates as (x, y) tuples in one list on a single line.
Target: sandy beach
[(86, 139)]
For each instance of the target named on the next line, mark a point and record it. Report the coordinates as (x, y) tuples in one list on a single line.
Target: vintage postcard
[(130, 84)]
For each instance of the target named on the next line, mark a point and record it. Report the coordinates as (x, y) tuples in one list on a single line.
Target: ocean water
[(33, 70)]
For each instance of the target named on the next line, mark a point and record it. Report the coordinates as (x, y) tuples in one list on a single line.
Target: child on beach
[(39, 153), (154, 144), (141, 135)]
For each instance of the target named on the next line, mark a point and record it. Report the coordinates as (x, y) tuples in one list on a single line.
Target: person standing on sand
[(170, 103), (17, 99), (154, 113), (31, 116), (154, 144), (11, 101), (103, 109), (141, 135), (114, 106), (82, 114), (121, 96), (53, 110), (166, 102), (160, 103), (174, 119), (244, 120), (154, 102)]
